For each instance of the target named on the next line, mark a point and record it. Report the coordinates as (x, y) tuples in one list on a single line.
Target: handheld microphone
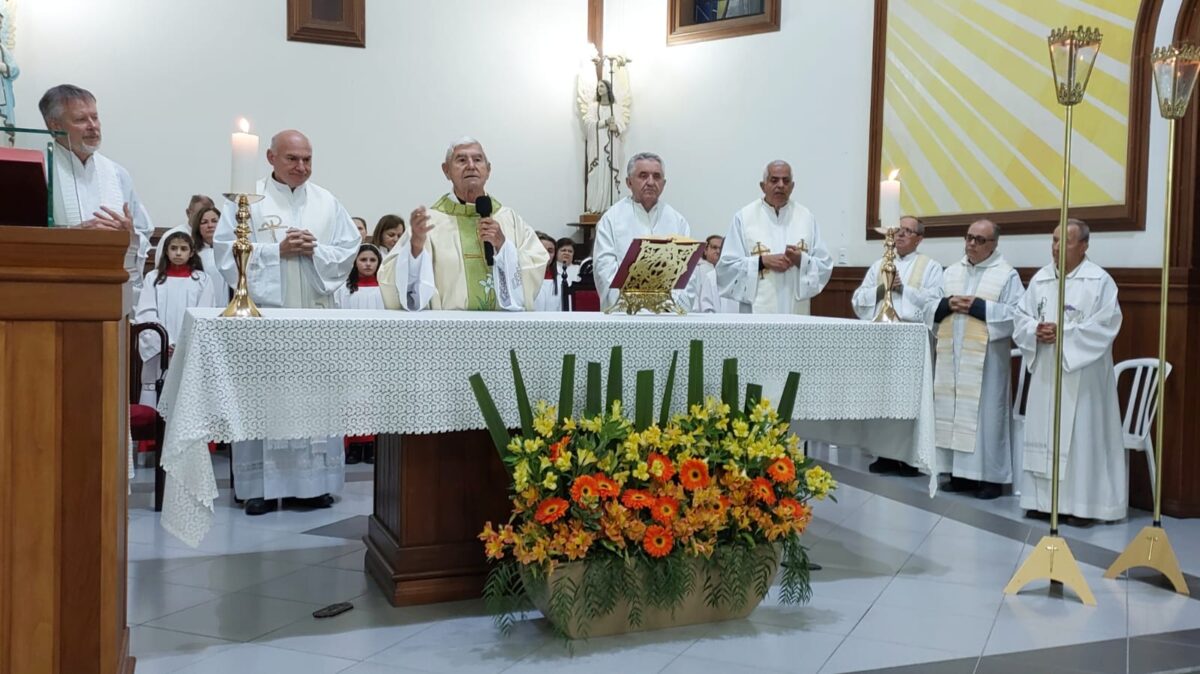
[(483, 206)]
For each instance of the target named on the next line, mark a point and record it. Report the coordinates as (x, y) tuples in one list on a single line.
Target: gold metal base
[(1052, 560), (633, 301), (242, 306), (1152, 549)]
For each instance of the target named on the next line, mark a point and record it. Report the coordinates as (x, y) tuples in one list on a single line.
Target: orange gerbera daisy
[(556, 448), (658, 540), (693, 474), (665, 509), (636, 499), (551, 509), (607, 487), (761, 490), (782, 470), (789, 508), (584, 488), (660, 467)]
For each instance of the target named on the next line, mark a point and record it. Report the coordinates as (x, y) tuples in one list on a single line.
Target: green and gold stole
[(481, 295)]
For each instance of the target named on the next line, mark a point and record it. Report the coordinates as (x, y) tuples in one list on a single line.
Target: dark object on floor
[(258, 506), (332, 610), (905, 470), (960, 484), (354, 454), (1037, 515), (1081, 522), (315, 502), (369, 453), (883, 466), (988, 491)]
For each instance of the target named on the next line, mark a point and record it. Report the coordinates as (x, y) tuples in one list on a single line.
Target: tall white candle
[(889, 201), (245, 156)]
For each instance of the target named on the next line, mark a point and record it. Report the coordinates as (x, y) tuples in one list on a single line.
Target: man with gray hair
[(971, 380), (774, 261), (641, 214), (1093, 470), (92, 191), (468, 251), (304, 247)]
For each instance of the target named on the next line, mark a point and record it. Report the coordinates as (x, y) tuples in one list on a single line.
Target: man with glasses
[(1094, 483), (974, 326), (918, 281)]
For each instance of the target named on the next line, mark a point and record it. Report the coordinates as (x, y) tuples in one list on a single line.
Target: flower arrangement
[(655, 510)]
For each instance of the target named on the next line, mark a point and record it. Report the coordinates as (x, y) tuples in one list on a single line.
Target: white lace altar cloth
[(297, 373)]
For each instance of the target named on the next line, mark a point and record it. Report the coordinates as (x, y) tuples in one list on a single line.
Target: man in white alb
[(774, 261), (454, 257), (304, 247), (91, 190), (1092, 463), (918, 281), (708, 293), (971, 387), (641, 214)]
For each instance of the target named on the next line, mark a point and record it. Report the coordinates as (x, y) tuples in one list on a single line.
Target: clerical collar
[(464, 203), (782, 208), (178, 271), (986, 262), (284, 187)]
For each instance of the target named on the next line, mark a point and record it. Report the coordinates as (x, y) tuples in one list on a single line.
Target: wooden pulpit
[(63, 451), (433, 494)]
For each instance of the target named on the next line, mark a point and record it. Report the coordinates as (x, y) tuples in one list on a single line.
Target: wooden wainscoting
[(1139, 297)]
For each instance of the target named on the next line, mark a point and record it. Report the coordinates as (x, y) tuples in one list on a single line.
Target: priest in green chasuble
[(443, 259)]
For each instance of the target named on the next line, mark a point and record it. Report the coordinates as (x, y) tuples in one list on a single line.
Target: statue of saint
[(8, 66), (604, 112)]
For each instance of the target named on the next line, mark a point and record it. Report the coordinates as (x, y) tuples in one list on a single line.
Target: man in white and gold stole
[(1092, 463), (918, 281), (774, 261), (641, 214), (441, 261), (304, 247), (971, 394), (91, 190)]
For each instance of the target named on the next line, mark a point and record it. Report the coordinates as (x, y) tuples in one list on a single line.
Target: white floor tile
[(308, 549), (230, 573), (237, 617), (466, 645), (160, 651), (354, 561), (254, 658), (149, 597), (610, 655), (918, 595), (320, 585), (857, 654), (755, 645), (376, 668), (359, 633), (934, 628), (686, 664), (821, 614)]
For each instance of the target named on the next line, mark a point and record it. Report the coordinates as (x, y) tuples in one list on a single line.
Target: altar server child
[(362, 289), (176, 284)]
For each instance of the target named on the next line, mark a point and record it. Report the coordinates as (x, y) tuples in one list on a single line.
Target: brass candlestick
[(1175, 71), (887, 276), (1072, 54), (242, 305)]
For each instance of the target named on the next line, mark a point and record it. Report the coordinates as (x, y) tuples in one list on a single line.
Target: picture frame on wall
[(700, 20), (334, 22)]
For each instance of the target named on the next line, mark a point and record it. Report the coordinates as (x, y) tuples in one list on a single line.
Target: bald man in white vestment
[(91, 190), (774, 261), (304, 247), (971, 382), (1092, 463)]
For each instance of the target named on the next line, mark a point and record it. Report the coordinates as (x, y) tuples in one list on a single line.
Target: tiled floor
[(905, 586)]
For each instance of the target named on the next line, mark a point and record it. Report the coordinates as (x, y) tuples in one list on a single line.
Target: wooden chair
[(145, 423), (1138, 416)]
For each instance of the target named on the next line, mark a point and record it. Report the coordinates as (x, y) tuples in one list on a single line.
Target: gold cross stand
[(1175, 70), (242, 305)]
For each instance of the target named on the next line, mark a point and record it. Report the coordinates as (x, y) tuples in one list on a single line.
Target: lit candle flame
[(244, 125), (893, 174)]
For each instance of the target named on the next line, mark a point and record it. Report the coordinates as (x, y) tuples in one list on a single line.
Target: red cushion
[(141, 422), (585, 300)]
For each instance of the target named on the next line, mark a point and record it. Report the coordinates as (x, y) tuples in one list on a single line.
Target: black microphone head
[(483, 205)]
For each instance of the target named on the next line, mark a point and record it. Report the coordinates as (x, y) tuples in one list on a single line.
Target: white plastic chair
[(1017, 432), (1138, 417)]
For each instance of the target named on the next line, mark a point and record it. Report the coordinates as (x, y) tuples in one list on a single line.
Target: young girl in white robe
[(362, 288), (175, 285), (203, 223)]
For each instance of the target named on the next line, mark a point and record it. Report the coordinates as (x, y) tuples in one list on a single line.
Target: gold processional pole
[(887, 272), (1072, 53), (1175, 70), (242, 305)]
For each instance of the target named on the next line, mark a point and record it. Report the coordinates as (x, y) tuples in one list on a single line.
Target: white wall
[(719, 111), (172, 76)]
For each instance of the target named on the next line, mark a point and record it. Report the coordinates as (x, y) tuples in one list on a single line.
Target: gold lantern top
[(1175, 69), (1072, 54)]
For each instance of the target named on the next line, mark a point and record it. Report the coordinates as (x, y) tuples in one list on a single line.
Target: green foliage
[(593, 390), (787, 401), (664, 413), (562, 602), (523, 407), (753, 395), (616, 384), (695, 373), (566, 387), (729, 383), (794, 587), (504, 594), (491, 416), (644, 400)]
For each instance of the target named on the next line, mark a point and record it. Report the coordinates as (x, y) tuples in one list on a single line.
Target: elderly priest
[(971, 387), (468, 251), (773, 260), (304, 246), (1092, 463)]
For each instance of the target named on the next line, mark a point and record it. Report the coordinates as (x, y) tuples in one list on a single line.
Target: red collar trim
[(368, 282), (179, 271)]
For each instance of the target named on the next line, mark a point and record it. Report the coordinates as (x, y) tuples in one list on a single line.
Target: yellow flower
[(740, 428), (642, 472), (568, 424), (515, 445), (819, 482), (544, 426), (563, 462), (586, 457), (616, 410), (699, 413), (534, 446), (621, 477), (592, 425), (607, 463), (652, 436), (521, 475), (551, 482)]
